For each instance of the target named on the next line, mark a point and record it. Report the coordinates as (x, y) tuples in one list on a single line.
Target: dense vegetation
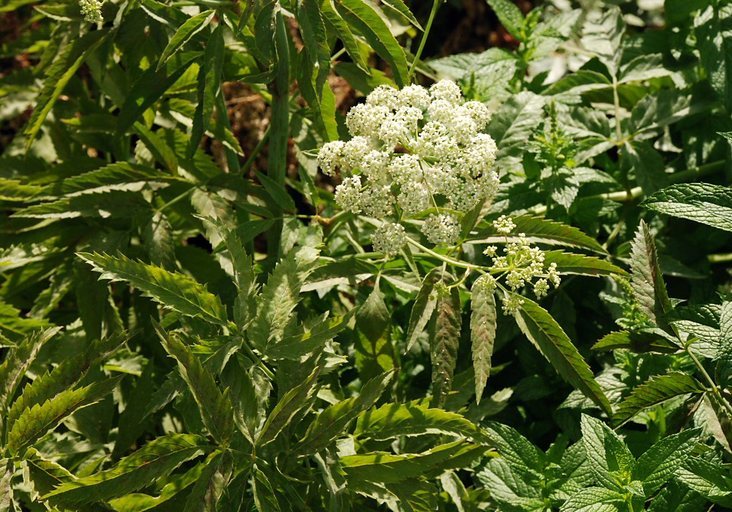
[(251, 258)]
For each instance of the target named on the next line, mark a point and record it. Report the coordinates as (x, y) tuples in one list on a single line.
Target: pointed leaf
[(423, 307), (184, 33), (35, 422), (655, 391), (444, 342), (647, 281), (156, 459), (171, 289), (215, 407), (660, 462), (551, 340), (482, 336), (699, 202), (609, 458)]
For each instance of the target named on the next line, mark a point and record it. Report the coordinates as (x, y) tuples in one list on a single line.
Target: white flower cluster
[(91, 10), (411, 150), (522, 264)]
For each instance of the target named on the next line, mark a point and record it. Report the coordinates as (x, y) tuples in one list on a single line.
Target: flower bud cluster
[(91, 10), (522, 265), (413, 150)]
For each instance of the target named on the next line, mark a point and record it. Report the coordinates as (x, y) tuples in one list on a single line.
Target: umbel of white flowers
[(91, 10), (412, 150)]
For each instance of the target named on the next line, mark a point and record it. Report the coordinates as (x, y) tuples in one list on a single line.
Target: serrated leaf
[(139, 502), (343, 30), (332, 421), (513, 124), (35, 422), (117, 176), (710, 479), (581, 264), (184, 33), (444, 342), (637, 341), (540, 231), (654, 391), (594, 499), (289, 405), (393, 420), (62, 377), (399, 8), (101, 205), (551, 340), (700, 202), (211, 484), (510, 17), (646, 278), (71, 56), (482, 336), (277, 301), (214, 406), (424, 306), (361, 15), (156, 459), (15, 190), (171, 289), (16, 364), (515, 449), (607, 454), (388, 468), (659, 463)]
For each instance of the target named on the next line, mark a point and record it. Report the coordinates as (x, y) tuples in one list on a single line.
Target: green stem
[(715, 390), (423, 40), (445, 259)]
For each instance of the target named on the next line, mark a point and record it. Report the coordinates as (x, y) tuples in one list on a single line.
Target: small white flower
[(365, 119), (348, 194), (413, 197), (377, 201), (441, 111), (414, 96), (354, 152), (375, 166), (504, 224), (480, 154), (479, 112), (384, 96), (441, 229), (512, 303), (484, 284), (330, 155), (447, 90), (389, 238), (541, 288), (405, 168)]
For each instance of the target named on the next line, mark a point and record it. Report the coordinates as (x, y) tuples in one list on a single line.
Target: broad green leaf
[(655, 391), (551, 340), (71, 56), (277, 192), (156, 459), (424, 306), (659, 463), (389, 468), (676, 497), (16, 364), (714, 42), (297, 346), (510, 17), (361, 15), (482, 336), (332, 421), (393, 420), (214, 406), (289, 405), (265, 498), (568, 263), (184, 33), (204, 496), (15, 190), (602, 35), (35, 422), (518, 451), (540, 231), (594, 499), (171, 289), (609, 458), (444, 342), (513, 124), (701, 202), (100, 205), (646, 280), (455, 488), (710, 479)]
